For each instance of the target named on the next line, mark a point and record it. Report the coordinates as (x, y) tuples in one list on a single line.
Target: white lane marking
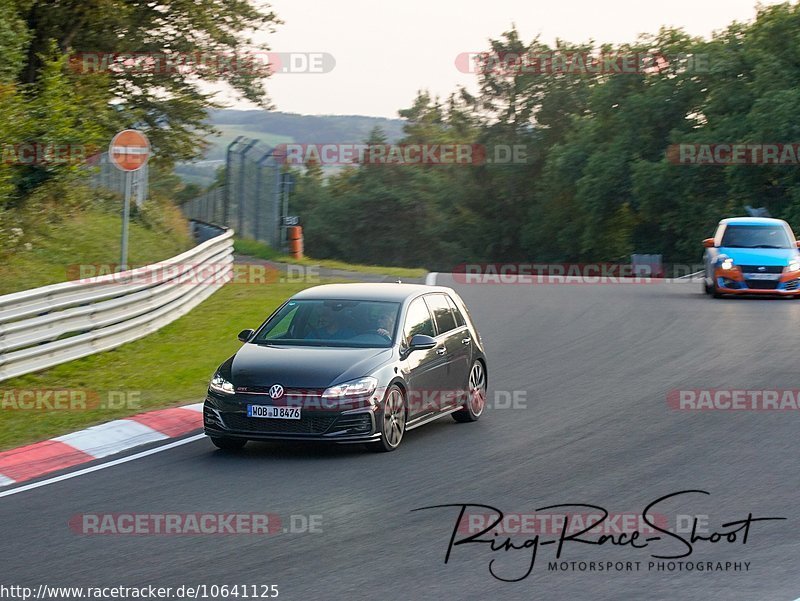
[(112, 437), (430, 279), (5, 480), (193, 407), (102, 466)]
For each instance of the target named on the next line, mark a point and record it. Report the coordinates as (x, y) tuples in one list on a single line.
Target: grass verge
[(51, 250), (253, 248)]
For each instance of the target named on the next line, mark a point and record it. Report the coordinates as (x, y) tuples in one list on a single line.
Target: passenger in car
[(385, 322)]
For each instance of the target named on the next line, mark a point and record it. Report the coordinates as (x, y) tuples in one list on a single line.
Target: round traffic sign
[(129, 150)]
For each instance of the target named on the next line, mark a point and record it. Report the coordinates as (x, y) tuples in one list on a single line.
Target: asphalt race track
[(594, 365)]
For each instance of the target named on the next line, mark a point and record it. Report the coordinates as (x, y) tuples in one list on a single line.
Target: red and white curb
[(32, 461)]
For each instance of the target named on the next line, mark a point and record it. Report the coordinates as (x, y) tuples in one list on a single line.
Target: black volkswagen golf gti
[(350, 363)]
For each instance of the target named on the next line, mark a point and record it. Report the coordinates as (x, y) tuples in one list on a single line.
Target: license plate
[(763, 276), (270, 412)]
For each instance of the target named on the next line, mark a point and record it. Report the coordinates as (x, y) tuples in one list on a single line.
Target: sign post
[(129, 151)]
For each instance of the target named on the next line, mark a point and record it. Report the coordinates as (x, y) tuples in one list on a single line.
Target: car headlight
[(361, 387), (794, 265), (726, 264), (220, 384)]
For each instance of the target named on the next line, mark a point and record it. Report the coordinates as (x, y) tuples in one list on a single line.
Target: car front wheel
[(392, 421), (476, 400)]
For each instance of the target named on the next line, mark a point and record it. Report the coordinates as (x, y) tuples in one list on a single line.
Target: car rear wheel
[(228, 444), (476, 401), (392, 421)]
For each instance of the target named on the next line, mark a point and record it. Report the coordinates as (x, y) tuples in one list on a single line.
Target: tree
[(599, 182), (152, 61)]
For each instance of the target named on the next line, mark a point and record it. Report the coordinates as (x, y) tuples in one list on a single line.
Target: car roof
[(753, 221), (383, 291)]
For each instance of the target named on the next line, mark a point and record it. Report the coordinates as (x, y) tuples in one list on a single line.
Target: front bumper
[(228, 419), (733, 281)]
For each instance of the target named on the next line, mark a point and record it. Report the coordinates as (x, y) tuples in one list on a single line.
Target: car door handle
[(441, 350), (466, 340)]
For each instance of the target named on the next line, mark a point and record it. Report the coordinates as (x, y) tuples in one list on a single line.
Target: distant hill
[(274, 128)]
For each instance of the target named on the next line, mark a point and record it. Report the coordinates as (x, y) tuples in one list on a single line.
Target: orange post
[(295, 236)]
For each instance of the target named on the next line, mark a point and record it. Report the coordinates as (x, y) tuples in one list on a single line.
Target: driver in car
[(330, 326)]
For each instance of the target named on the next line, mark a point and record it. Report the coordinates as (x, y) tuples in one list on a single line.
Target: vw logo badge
[(762, 268), (276, 391)]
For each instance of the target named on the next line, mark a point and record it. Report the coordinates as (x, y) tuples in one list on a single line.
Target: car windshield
[(756, 236), (332, 322)]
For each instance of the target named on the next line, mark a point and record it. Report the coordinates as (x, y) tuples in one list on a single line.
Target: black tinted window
[(331, 322), (756, 236), (441, 312), (418, 320), (456, 313)]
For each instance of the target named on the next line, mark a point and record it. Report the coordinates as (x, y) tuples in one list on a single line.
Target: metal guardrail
[(54, 324)]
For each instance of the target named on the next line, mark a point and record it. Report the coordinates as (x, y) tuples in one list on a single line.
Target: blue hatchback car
[(752, 255)]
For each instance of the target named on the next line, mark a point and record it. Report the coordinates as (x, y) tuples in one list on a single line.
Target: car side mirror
[(421, 342), (708, 243), (246, 335), (798, 243)]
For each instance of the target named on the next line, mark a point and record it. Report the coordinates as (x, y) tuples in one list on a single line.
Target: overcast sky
[(386, 50)]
